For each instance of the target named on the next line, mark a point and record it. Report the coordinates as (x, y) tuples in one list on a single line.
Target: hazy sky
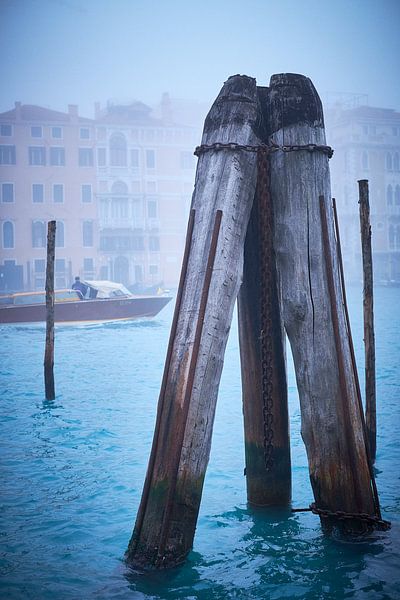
[(55, 52)]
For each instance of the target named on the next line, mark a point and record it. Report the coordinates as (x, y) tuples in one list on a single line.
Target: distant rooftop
[(31, 112)]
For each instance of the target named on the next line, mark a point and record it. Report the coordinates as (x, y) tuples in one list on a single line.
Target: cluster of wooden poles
[(262, 229)]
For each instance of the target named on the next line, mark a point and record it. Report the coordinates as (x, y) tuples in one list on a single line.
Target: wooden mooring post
[(368, 306), (291, 280), (49, 349), (312, 303), (262, 357), (221, 205)]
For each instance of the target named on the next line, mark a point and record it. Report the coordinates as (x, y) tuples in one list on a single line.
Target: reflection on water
[(72, 472)]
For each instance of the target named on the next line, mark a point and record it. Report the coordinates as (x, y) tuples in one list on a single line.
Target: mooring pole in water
[(222, 200), (368, 305), (262, 357), (338, 463), (49, 349)]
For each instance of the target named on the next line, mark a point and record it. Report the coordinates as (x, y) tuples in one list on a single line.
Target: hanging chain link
[(347, 516), (266, 148), (265, 217)]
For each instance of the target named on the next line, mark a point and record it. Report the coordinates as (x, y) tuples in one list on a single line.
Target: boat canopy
[(106, 289)]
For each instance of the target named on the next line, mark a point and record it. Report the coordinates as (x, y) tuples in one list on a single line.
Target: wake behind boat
[(101, 301)]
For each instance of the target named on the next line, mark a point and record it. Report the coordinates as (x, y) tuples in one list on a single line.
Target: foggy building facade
[(47, 172), (119, 187), (366, 141)]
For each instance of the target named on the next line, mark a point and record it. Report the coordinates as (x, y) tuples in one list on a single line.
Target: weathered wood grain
[(49, 348), (336, 450), (225, 181), (368, 305)]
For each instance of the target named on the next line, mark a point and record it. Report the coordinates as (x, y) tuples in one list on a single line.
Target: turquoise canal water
[(72, 472)]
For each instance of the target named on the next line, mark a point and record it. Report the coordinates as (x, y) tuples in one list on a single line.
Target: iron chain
[(344, 516), (266, 254), (264, 148)]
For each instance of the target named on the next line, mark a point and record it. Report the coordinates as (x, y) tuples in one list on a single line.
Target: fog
[(74, 51)]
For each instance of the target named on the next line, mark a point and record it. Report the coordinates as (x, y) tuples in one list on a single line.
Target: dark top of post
[(293, 100)]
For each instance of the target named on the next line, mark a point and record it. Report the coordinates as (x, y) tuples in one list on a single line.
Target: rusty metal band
[(189, 387), (354, 364), (266, 148), (266, 253), (160, 407), (336, 332)]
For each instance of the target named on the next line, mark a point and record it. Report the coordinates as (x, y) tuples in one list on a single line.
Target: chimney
[(73, 112), (18, 111), (166, 109)]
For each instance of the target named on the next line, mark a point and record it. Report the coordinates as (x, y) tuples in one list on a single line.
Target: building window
[(152, 209), (5, 130), (365, 161), (153, 269), (154, 244), (101, 157), (150, 159), (38, 234), (8, 234), (56, 133), (118, 150), (88, 265), (392, 236), (187, 160), (36, 131), (135, 158), (59, 265), (86, 192), (39, 265), (60, 238), (7, 192), (396, 165), (57, 157), (37, 192), (137, 243), (87, 233), (389, 195), (37, 155), (389, 162), (84, 133), (85, 157), (58, 192), (397, 195), (7, 155)]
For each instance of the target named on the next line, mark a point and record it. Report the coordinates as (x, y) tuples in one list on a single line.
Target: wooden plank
[(338, 462), (225, 186), (49, 349), (263, 364), (368, 306)]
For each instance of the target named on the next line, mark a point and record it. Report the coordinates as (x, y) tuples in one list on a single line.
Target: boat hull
[(87, 311)]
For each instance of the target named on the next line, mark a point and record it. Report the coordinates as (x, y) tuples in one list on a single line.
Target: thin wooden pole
[(368, 304), (49, 350), (354, 364)]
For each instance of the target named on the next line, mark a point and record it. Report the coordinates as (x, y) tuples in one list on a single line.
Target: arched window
[(38, 234), (389, 195), (389, 162), (397, 195), (60, 234), (8, 234), (391, 237), (119, 187), (365, 161), (396, 164), (118, 150)]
